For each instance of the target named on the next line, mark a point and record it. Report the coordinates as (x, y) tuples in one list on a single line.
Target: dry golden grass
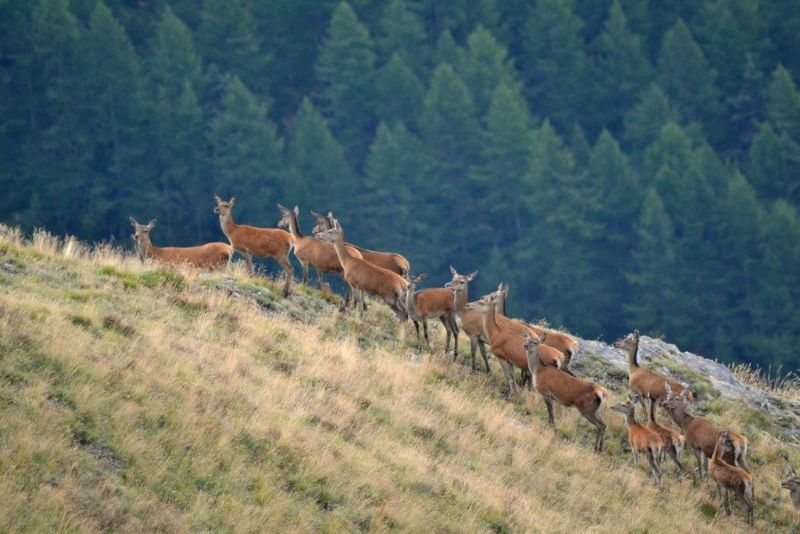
[(136, 398)]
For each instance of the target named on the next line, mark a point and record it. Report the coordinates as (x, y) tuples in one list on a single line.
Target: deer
[(550, 354), (367, 277), (388, 260), (642, 440), (505, 343), (560, 341), (791, 483), (554, 384), (731, 478), (432, 303), (701, 434), (310, 251), (208, 256), (251, 241), (644, 383), (471, 324), (673, 440), (442, 303)]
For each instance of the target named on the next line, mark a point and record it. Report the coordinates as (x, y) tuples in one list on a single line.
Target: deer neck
[(411, 301), (680, 416), (294, 226), (633, 363), (460, 300), (341, 250), (716, 456), (630, 418), (146, 248), (227, 224), (501, 306)]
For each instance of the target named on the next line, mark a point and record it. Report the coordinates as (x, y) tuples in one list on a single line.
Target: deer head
[(626, 407), (628, 342), (332, 235), (286, 216), (223, 208), (321, 222), (531, 343), (141, 235)]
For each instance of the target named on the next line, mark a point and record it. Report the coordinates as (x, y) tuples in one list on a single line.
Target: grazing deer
[(642, 440), (367, 277), (560, 341), (471, 324), (388, 260), (701, 434), (506, 343), (554, 384), (731, 478), (442, 303), (644, 383), (792, 483), (208, 256), (310, 251), (673, 440), (250, 241)]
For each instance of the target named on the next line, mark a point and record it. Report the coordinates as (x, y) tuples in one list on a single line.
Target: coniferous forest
[(621, 164)]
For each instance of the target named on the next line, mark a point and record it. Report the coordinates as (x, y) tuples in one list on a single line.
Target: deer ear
[(133, 221), (232, 201), (472, 276), (453, 271), (281, 208), (543, 337), (330, 214), (667, 388), (216, 197), (296, 211), (152, 223), (316, 215)]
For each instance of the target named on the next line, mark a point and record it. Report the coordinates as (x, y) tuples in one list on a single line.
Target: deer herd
[(542, 355)]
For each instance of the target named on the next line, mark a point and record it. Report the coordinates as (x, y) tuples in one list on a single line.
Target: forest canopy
[(621, 164)]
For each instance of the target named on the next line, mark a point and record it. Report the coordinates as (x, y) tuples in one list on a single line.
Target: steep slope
[(139, 398)]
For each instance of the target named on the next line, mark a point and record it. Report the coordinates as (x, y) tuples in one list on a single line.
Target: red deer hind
[(208, 256), (251, 241)]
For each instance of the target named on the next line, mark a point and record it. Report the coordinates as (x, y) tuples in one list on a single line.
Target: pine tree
[(651, 270), (227, 38), (643, 122), (775, 164), (484, 66), (555, 62), (395, 207), (622, 69), (346, 70), (783, 104), (746, 108), (173, 59), (246, 150), (447, 50), (399, 92), (687, 77), (402, 33), (505, 160), (319, 169)]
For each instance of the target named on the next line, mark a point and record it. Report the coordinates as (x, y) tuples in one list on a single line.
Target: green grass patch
[(162, 278)]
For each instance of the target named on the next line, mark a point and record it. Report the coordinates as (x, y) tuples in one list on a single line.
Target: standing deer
[(439, 302), (250, 241), (367, 277), (644, 383), (310, 251), (388, 260), (642, 440), (673, 440), (471, 324), (701, 434), (506, 343), (554, 384), (731, 478), (792, 483), (560, 341), (208, 256)]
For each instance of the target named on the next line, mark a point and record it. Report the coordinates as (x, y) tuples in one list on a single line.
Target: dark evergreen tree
[(346, 70), (643, 122), (399, 92), (402, 33), (483, 66), (775, 164), (173, 59), (746, 109), (783, 104)]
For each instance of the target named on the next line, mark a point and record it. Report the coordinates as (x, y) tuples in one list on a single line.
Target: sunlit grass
[(136, 397)]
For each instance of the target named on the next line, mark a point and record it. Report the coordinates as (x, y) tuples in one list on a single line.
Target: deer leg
[(485, 358), (454, 327), (741, 458), (697, 455), (248, 259), (304, 266), (473, 348), (508, 369), (635, 459), (425, 331), (728, 509), (289, 272), (653, 466), (748, 502), (549, 403), (447, 331), (416, 326), (673, 453), (593, 418)]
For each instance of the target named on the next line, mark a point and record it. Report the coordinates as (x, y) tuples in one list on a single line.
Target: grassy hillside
[(139, 398)]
